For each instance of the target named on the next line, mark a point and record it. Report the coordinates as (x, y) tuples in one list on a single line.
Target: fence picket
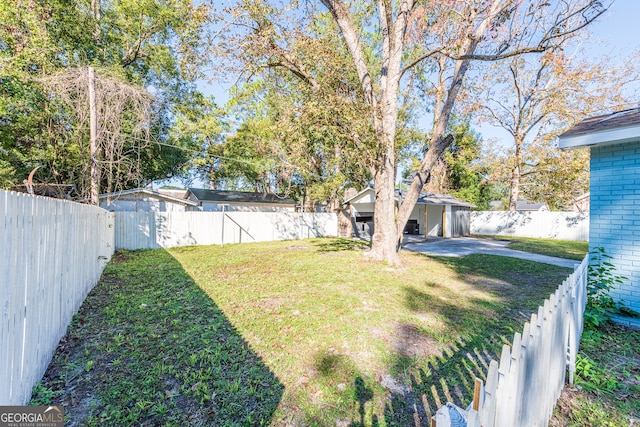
[(150, 230), (488, 414), (503, 389), (49, 260), (5, 238), (524, 387), (554, 225)]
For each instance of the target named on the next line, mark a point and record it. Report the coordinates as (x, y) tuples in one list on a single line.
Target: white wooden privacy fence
[(524, 387), (52, 253), (554, 225), (148, 230)]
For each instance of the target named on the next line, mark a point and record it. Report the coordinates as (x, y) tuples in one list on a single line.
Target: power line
[(155, 141)]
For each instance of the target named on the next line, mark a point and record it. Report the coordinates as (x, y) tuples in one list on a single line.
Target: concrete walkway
[(461, 246)]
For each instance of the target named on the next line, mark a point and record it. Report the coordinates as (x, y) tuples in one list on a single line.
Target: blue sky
[(614, 34)]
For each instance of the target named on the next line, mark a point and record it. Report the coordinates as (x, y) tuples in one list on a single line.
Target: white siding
[(145, 205), (362, 208)]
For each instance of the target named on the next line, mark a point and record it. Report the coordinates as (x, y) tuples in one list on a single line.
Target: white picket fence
[(52, 253), (554, 225), (148, 230), (523, 388)]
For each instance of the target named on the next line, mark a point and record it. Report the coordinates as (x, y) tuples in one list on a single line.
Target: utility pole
[(93, 139)]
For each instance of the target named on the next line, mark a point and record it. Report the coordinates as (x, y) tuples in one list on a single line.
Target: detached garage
[(433, 215)]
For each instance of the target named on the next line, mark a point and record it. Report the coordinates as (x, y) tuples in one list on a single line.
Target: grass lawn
[(569, 249), (287, 333)]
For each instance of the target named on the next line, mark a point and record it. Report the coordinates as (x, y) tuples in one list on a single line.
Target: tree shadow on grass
[(529, 282), (474, 334), (429, 381), (338, 245), (423, 373), (149, 347)]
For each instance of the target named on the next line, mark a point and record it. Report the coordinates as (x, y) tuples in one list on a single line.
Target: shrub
[(602, 278)]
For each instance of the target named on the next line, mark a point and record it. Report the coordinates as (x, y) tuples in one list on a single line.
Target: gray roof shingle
[(223, 196), (605, 122)]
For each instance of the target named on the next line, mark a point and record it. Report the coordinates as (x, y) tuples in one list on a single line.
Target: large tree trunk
[(514, 191), (384, 111), (384, 245), (439, 140)]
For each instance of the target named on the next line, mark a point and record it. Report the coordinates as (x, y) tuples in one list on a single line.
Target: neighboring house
[(180, 194), (238, 201), (143, 200), (529, 206), (433, 215), (614, 142)]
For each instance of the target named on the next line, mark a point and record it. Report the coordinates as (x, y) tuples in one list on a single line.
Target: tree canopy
[(536, 98), (152, 45)]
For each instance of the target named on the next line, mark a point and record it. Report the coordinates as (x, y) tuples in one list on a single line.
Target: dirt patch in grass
[(410, 341)]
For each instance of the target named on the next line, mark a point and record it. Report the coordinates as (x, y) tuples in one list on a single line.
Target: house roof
[(423, 199), (150, 193), (223, 196), (357, 195), (180, 194), (442, 199), (614, 128), (525, 205)]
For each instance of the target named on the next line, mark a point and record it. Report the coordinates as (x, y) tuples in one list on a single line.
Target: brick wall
[(615, 213)]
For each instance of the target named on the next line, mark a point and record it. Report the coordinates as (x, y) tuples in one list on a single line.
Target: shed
[(433, 215), (531, 206), (614, 142), (239, 201), (143, 200)]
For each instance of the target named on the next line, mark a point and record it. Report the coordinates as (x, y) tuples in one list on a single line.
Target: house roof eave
[(609, 129), (116, 194), (357, 195), (600, 138)]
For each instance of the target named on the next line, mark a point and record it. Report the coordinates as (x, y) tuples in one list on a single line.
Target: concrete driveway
[(461, 246)]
